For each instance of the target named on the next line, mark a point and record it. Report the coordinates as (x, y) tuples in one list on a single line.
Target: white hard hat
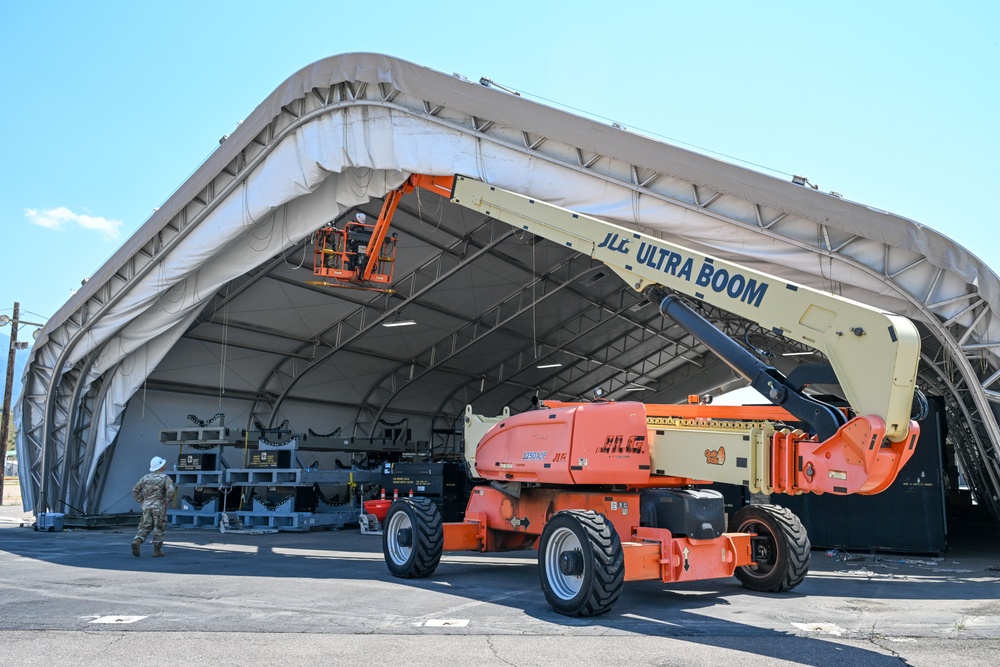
[(156, 463), (361, 217)]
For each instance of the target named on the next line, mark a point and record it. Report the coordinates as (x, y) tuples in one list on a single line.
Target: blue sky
[(109, 106)]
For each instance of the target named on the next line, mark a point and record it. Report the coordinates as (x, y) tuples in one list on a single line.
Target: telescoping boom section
[(874, 354), (609, 492)]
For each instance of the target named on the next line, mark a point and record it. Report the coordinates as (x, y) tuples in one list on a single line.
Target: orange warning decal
[(716, 457)]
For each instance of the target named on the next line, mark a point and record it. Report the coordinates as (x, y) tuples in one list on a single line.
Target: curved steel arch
[(503, 372), (433, 361), (363, 326)]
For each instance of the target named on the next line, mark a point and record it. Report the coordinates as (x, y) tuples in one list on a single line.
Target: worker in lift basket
[(153, 492), (357, 243)]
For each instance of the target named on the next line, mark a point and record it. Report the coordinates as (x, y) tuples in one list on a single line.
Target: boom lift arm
[(874, 354)]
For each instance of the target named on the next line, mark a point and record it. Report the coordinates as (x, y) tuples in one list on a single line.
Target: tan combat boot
[(157, 551), (135, 547)]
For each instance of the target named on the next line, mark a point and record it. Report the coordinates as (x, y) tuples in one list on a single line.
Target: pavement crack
[(878, 640), (496, 652)]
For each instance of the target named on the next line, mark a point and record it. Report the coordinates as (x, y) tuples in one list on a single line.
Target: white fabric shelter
[(207, 308)]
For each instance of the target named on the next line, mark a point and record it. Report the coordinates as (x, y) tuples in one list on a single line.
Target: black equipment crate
[(425, 479)]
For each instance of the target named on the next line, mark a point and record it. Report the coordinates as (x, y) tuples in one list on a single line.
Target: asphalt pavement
[(326, 598)]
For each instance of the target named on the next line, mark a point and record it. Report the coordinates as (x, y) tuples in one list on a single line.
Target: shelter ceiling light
[(399, 323), (548, 365)]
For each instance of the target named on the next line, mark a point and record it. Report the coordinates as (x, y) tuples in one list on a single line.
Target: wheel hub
[(404, 537), (571, 563), (763, 549)]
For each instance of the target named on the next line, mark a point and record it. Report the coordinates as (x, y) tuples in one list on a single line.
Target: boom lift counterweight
[(612, 492)]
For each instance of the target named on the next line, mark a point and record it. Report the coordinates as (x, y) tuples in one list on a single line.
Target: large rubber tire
[(412, 538), (581, 563), (780, 548)]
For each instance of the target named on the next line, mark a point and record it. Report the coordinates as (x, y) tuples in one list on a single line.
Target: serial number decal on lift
[(735, 285), (617, 444)]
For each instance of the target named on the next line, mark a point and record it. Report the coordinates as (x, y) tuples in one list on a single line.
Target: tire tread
[(428, 538), (794, 557), (608, 562)]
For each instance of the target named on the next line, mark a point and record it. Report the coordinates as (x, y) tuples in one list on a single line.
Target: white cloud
[(57, 218)]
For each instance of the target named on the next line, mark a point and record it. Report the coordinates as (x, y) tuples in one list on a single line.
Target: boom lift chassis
[(612, 492)]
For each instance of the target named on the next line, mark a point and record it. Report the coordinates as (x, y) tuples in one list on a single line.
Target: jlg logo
[(559, 458), (617, 444), (716, 457)]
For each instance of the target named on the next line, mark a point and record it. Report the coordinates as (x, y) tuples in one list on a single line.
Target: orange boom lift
[(611, 492)]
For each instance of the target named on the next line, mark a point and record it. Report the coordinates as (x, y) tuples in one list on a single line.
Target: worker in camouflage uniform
[(154, 491)]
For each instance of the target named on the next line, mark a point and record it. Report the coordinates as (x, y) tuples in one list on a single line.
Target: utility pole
[(7, 389)]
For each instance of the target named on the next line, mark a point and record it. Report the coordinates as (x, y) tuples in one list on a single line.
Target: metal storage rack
[(201, 441)]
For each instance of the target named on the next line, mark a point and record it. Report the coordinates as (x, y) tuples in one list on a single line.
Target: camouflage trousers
[(152, 521)]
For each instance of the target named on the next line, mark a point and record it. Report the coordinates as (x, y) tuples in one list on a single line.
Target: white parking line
[(446, 623), (117, 619), (822, 628)]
